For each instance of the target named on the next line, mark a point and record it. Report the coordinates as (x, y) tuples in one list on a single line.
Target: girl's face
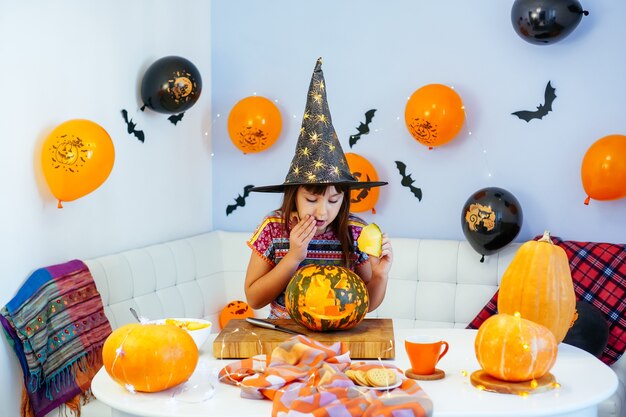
[(323, 207)]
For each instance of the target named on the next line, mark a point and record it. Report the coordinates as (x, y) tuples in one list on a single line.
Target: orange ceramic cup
[(424, 352)]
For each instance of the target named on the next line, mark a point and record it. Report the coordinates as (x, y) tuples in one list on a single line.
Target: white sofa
[(433, 283)]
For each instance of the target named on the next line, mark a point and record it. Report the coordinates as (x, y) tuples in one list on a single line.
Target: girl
[(314, 224)]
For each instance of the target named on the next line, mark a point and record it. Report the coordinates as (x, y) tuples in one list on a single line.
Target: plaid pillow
[(599, 275)]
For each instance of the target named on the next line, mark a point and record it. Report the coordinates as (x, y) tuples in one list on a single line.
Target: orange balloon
[(604, 169), (77, 158), (254, 124), (434, 115), (363, 199)]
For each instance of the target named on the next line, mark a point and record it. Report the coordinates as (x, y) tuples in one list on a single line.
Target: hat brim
[(355, 185)]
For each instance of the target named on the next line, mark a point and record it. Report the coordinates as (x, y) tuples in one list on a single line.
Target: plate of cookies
[(378, 378)]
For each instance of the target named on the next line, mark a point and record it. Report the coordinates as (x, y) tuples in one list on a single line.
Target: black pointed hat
[(319, 158)]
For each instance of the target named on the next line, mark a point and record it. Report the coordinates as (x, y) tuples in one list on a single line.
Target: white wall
[(376, 54), (85, 59)]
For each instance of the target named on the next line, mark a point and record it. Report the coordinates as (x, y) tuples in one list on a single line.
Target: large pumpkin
[(324, 298), (538, 284), (514, 349), (149, 357)]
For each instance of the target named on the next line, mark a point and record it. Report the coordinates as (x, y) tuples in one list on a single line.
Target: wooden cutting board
[(370, 339)]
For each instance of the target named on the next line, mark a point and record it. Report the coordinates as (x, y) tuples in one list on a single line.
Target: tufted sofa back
[(435, 283), (189, 277)]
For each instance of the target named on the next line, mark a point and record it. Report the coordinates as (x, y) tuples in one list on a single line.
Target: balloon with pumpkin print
[(434, 115), (363, 199), (172, 84), (254, 124), (77, 158)]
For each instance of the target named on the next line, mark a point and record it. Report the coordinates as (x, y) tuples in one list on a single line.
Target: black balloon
[(544, 22), (491, 219), (590, 331), (171, 85)]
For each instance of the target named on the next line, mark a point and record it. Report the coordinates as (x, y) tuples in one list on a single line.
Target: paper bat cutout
[(542, 109), (130, 126), (407, 181), (240, 200), (175, 118), (364, 128)]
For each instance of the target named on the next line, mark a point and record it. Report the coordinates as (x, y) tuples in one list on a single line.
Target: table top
[(584, 382)]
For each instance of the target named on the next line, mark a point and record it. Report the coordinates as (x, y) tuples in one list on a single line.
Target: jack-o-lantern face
[(362, 199), (235, 310)]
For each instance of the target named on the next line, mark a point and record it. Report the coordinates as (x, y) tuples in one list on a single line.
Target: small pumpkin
[(236, 309), (326, 298), (514, 349), (538, 284), (149, 357)]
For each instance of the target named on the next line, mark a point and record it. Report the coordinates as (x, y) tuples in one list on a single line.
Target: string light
[(482, 146)]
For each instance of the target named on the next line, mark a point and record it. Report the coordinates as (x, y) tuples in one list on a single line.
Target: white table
[(585, 382)]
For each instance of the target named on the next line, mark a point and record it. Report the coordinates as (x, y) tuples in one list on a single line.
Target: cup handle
[(445, 350)]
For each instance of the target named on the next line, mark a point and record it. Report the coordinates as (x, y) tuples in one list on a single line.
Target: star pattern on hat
[(318, 157)]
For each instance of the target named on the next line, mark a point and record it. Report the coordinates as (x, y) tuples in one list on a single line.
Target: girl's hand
[(300, 236), (382, 265)]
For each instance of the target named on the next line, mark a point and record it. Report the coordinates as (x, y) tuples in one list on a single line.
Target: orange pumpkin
[(538, 284), (149, 357), (326, 297), (514, 349), (235, 310)]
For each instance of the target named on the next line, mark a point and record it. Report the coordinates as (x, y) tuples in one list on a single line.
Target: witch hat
[(319, 158)]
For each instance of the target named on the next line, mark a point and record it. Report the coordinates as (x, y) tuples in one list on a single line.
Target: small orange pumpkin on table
[(236, 309), (149, 357), (511, 348)]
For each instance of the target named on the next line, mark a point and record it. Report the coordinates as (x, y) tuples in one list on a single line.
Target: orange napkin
[(307, 378)]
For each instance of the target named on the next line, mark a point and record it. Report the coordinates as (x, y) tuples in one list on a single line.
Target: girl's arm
[(375, 274), (265, 282)]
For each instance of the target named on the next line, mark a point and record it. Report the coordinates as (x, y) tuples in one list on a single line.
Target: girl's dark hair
[(340, 224)]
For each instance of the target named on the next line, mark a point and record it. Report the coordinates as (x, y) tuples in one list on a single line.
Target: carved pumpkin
[(538, 284), (514, 349), (325, 297), (235, 310), (149, 357)]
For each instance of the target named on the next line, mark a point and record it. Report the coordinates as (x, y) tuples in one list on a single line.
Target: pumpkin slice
[(371, 240)]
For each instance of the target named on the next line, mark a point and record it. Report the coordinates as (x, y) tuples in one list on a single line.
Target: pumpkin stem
[(546, 237)]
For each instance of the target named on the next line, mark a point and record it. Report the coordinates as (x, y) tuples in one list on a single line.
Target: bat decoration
[(364, 128), (542, 109), (130, 126), (407, 181), (175, 118), (240, 200)]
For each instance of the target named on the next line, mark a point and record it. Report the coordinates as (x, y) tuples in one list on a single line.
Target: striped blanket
[(305, 378), (56, 326), (599, 276)]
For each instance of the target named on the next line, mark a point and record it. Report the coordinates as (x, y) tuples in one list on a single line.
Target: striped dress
[(271, 242)]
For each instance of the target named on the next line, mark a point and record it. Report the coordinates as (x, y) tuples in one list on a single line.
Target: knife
[(268, 325)]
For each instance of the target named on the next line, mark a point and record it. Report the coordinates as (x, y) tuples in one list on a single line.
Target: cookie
[(381, 377)]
